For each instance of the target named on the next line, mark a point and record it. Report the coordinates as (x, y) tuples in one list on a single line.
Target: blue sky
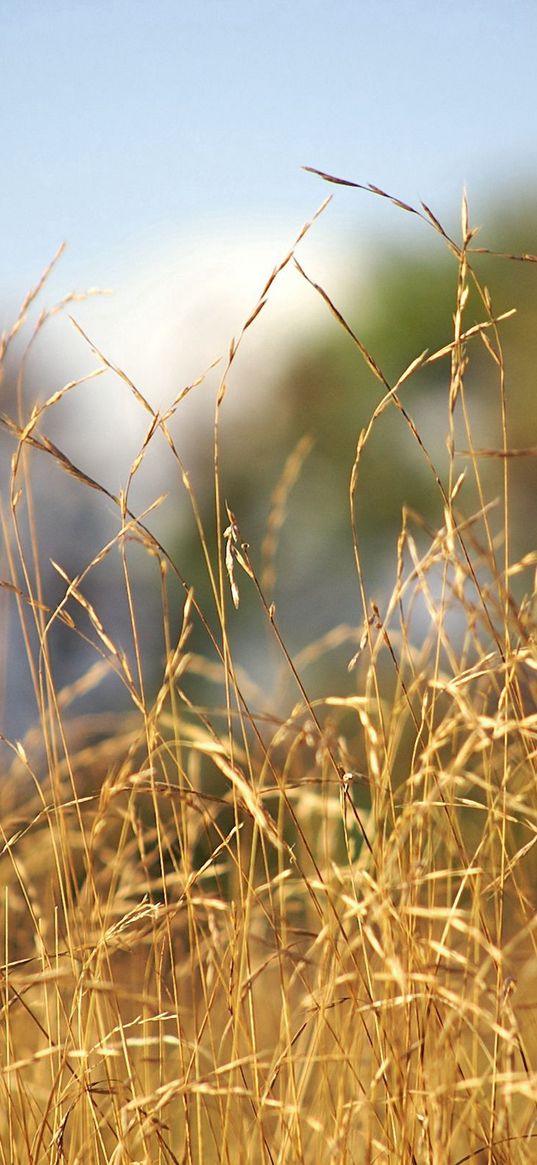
[(127, 124)]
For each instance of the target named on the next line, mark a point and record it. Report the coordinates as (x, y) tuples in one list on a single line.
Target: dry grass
[(249, 932)]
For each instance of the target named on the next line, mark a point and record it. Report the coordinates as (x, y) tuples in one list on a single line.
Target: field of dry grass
[(276, 928)]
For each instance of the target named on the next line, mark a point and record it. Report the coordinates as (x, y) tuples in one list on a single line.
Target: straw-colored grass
[(275, 928)]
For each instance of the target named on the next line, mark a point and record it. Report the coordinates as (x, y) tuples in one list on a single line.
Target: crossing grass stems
[(266, 928)]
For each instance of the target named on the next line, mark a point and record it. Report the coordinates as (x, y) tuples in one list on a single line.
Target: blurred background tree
[(327, 393)]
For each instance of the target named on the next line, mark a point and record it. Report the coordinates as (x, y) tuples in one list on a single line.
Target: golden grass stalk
[(265, 931)]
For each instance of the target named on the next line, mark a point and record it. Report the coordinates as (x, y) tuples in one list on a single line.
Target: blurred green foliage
[(328, 392), (409, 308)]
